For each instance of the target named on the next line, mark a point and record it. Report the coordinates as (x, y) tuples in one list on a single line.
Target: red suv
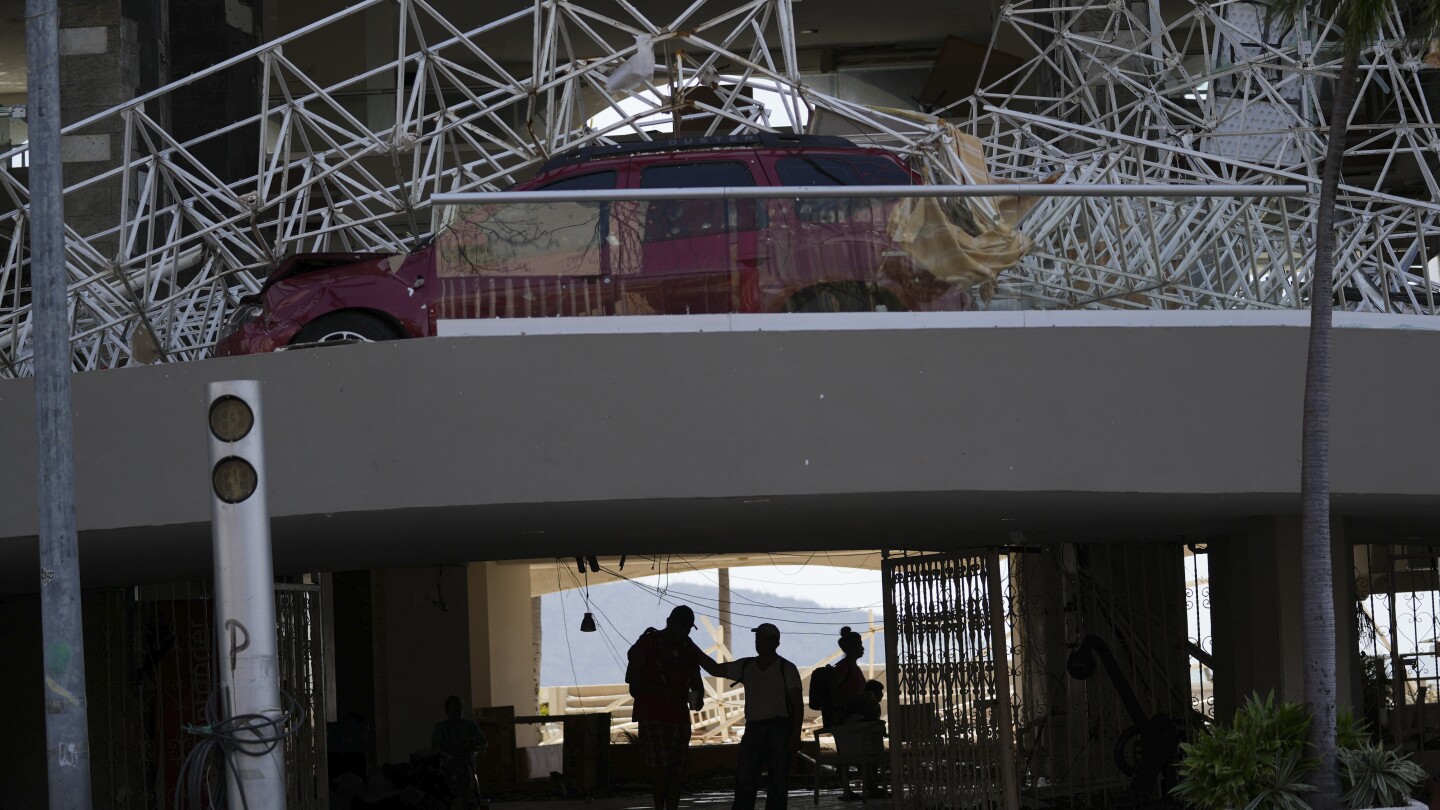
[(671, 257)]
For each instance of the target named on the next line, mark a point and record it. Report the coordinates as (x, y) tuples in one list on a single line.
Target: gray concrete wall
[(495, 448)]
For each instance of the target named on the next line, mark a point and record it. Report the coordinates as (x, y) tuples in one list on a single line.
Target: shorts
[(663, 744)]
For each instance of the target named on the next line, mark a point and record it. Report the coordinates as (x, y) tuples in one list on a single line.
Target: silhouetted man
[(664, 670), (460, 738), (773, 713)]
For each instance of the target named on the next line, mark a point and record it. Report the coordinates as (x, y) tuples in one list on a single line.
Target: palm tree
[(1362, 22)]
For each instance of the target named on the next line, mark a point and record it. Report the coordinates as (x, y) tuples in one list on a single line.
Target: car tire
[(357, 327), (843, 298)]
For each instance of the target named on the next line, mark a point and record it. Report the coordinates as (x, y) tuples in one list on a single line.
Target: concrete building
[(1040, 472)]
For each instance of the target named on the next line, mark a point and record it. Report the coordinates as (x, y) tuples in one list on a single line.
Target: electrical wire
[(695, 599), (565, 628), (589, 604), (692, 604), (225, 740), (756, 602)]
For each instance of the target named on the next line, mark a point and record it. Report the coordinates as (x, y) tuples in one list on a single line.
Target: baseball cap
[(682, 613), (767, 629)]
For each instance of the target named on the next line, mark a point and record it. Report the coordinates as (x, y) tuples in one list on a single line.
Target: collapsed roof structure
[(1097, 92)]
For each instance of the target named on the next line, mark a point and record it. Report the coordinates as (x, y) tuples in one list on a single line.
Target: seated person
[(460, 738), (864, 707)]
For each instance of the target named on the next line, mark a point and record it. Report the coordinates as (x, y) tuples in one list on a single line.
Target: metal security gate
[(1043, 676), (151, 669), (951, 742), (299, 641), (1397, 613)]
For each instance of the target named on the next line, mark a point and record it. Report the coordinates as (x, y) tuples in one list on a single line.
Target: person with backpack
[(844, 688), (847, 682), (664, 678), (773, 713)]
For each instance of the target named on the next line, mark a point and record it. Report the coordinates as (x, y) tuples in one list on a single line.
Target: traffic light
[(232, 419)]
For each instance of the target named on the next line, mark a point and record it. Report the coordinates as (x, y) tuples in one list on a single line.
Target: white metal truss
[(1120, 93), (1113, 93)]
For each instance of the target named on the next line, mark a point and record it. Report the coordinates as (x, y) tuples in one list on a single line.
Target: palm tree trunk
[(1318, 582)]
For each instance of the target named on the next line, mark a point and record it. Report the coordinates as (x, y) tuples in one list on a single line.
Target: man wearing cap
[(662, 673), (773, 713)]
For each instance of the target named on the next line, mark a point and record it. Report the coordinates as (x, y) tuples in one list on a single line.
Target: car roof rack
[(767, 140)]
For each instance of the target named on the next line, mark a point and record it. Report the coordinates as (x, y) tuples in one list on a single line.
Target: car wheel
[(357, 327), (846, 298)]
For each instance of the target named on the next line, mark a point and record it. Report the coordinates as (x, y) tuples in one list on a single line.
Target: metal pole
[(67, 733), (245, 596), (1123, 190), (726, 629), (899, 735)]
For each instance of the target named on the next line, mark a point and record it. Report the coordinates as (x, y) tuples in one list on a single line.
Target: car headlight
[(238, 317)]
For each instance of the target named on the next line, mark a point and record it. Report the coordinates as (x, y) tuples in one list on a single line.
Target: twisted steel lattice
[(1114, 93)]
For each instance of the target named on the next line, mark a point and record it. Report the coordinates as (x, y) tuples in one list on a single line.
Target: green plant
[(1284, 789), (1375, 776), (1256, 763), (1259, 762)]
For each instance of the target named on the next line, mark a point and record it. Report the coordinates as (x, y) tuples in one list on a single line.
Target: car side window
[(666, 220), (874, 170), (595, 181), (528, 239), (822, 171)]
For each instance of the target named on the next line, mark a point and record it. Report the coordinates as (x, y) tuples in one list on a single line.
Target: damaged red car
[(671, 257)]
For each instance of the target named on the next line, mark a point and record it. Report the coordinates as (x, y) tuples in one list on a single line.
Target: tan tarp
[(966, 242)]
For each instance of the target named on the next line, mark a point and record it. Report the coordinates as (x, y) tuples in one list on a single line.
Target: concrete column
[(450, 630), (502, 641), (1255, 613), (425, 656), (99, 68)]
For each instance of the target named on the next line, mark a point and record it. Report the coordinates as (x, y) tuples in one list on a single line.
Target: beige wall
[(502, 641)]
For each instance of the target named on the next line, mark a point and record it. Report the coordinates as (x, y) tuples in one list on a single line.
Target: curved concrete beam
[(915, 432)]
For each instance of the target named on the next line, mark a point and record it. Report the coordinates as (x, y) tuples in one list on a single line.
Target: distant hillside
[(623, 610)]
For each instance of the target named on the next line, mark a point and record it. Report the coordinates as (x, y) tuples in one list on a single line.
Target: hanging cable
[(565, 624), (818, 610), (692, 602)]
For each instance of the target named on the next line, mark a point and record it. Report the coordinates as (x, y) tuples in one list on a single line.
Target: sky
[(822, 584), (809, 603)]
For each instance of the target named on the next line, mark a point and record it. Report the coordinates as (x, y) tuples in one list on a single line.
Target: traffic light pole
[(67, 733), (245, 598)]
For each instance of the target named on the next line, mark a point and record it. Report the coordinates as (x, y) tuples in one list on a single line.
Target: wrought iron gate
[(987, 709), (951, 741), (1397, 612)]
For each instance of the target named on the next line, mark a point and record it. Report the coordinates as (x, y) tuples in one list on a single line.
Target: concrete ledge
[(875, 321)]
